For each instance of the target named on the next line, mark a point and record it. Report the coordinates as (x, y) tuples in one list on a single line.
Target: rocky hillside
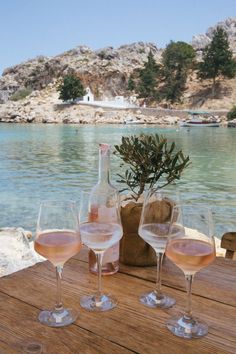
[(106, 71), (229, 25)]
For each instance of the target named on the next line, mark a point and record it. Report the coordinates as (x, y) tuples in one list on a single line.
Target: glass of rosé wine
[(154, 229), (58, 239), (100, 228), (191, 247)]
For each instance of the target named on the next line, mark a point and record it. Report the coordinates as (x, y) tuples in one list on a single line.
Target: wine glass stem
[(99, 257), (159, 268), (189, 281), (59, 305)]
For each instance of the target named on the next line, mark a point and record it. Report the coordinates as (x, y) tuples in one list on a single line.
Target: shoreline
[(84, 114), (44, 106)]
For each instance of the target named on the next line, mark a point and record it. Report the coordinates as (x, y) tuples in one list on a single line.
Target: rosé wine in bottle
[(111, 256)]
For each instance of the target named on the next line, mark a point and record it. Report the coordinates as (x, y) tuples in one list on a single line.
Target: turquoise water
[(56, 161)]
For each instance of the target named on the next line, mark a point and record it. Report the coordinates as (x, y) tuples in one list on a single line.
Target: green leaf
[(149, 158)]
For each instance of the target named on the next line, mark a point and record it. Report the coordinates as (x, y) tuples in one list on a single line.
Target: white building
[(117, 102), (89, 97)]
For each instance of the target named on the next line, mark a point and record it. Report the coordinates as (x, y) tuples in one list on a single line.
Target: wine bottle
[(111, 256)]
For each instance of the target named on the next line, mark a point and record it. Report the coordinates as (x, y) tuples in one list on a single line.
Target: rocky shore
[(43, 106)]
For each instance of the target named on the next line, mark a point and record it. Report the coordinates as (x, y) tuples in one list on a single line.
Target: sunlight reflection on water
[(57, 161)]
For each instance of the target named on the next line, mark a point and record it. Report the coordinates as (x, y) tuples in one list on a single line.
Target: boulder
[(16, 250)]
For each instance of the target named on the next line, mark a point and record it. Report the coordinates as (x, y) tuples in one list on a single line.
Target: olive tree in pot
[(151, 162)]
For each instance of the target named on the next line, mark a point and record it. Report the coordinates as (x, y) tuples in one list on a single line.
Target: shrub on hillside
[(232, 113), (21, 94)]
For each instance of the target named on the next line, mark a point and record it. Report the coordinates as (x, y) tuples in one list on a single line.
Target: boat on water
[(132, 121), (200, 119)]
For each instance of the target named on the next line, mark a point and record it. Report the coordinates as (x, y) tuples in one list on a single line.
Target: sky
[(29, 28)]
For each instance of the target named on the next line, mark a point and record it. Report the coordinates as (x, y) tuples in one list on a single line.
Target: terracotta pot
[(133, 249)]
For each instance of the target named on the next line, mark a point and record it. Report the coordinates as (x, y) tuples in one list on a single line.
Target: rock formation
[(106, 72), (229, 25), (16, 250)]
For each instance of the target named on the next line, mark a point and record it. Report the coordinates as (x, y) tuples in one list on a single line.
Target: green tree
[(71, 88), (148, 78), (232, 113), (131, 84), (217, 59), (177, 59)]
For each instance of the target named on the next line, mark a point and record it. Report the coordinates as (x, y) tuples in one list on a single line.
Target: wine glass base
[(188, 328), (98, 303), (60, 318), (152, 300)]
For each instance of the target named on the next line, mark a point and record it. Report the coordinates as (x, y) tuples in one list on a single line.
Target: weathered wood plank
[(218, 278), (19, 326), (130, 325), (217, 281)]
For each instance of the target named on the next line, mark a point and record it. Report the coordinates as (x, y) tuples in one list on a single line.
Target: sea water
[(56, 161)]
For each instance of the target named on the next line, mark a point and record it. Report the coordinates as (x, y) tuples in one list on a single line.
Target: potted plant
[(151, 162)]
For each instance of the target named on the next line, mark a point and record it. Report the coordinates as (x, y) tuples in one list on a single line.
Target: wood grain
[(19, 326), (217, 282), (129, 328)]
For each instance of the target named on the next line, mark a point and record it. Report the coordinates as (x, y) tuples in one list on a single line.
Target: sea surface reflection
[(57, 161)]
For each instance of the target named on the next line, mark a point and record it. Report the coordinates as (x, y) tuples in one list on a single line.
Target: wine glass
[(58, 239), (154, 229), (191, 247), (100, 228)]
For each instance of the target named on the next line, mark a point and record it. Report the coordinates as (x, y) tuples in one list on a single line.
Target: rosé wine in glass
[(190, 255), (57, 246), (154, 229), (99, 234), (58, 239), (191, 247)]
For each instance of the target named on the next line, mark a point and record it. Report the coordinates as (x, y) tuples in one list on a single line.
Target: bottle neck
[(104, 168)]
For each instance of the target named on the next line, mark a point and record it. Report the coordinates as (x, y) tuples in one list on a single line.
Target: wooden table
[(129, 328)]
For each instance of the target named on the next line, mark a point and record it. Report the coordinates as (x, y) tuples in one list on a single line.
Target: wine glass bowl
[(154, 229), (191, 247), (100, 228), (57, 246), (58, 239)]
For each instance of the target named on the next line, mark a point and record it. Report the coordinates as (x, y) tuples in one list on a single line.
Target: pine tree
[(217, 59), (177, 59), (148, 78), (71, 88), (131, 84)]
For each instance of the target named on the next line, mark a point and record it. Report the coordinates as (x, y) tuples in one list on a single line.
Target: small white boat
[(132, 121), (200, 119)]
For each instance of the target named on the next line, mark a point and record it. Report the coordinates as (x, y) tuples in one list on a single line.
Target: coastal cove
[(39, 161)]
